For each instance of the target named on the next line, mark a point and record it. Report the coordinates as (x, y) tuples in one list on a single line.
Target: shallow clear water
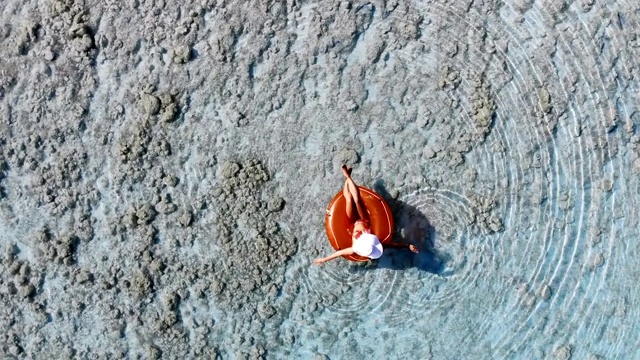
[(167, 175), (560, 163)]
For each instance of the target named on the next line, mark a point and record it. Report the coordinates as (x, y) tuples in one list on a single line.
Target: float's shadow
[(411, 226)]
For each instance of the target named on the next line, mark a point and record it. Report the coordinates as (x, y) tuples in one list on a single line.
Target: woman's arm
[(411, 247), (347, 251)]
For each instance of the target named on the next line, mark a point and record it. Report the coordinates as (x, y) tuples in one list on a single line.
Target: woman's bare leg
[(355, 194), (349, 199)]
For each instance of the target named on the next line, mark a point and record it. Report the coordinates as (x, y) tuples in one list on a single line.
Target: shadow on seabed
[(411, 225)]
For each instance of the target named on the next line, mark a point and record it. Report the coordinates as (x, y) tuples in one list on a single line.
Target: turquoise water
[(531, 238), (165, 170)]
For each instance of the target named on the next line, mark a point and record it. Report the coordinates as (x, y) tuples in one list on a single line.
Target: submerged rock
[(150, 104), (145, 214), (181, 54), (276, 203), (545, 292), (563, 352)]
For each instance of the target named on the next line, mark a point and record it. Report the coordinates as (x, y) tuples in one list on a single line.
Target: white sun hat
[(368, 245)]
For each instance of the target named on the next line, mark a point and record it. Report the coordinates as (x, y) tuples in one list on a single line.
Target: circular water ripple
[(442, 223), (557, 174), (554, 162)]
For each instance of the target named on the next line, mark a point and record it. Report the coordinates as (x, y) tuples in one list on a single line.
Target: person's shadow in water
[(411, 226)]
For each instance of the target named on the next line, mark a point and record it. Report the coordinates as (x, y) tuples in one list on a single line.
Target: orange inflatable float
[(337, 223)]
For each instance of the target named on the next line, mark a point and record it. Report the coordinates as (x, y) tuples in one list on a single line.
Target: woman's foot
[(346, 171)]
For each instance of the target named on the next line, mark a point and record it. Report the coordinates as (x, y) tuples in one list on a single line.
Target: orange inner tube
[(337, 223)]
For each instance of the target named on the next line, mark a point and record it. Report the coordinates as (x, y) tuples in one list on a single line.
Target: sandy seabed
[(165, 168)]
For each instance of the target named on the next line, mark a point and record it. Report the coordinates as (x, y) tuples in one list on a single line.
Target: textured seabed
[(165, 168)]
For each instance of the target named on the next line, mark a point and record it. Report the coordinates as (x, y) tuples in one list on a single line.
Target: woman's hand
[(414, 248), (343, 252)]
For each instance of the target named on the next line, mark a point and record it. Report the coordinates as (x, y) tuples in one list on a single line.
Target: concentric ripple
[(443, 224), (530, 234)]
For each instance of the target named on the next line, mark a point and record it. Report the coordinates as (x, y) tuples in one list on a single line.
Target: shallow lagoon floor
[(165, 169)]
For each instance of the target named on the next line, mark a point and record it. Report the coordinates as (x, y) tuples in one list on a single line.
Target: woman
[(364, 242)]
